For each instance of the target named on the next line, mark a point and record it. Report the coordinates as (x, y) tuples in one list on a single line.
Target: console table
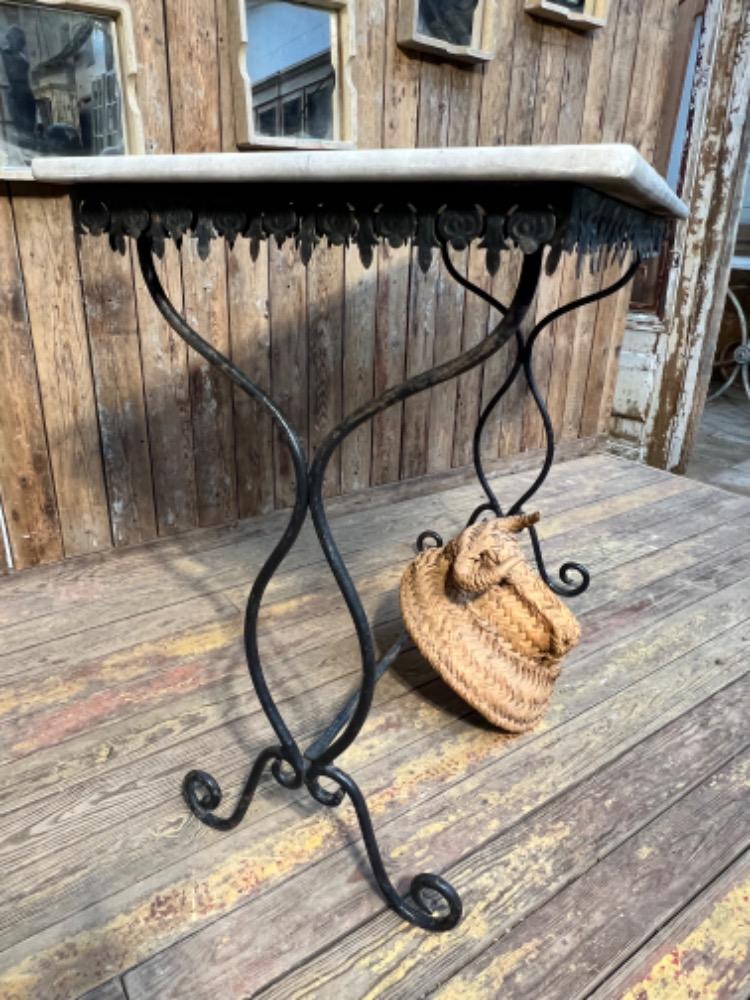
[(601, 203)]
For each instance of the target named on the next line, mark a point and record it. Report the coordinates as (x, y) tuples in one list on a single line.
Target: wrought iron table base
[(432, 903)]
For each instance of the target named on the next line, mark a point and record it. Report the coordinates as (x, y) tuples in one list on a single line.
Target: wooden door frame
[(715, 169)]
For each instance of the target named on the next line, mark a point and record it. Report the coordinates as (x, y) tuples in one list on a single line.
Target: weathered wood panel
[(26, 487), (58, 329), (107, 284), (163, 354), (713, 189), (178, 447), (192, 32), (99, 749), (704, 950)]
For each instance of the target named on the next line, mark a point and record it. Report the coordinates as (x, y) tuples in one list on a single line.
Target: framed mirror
[(581, 14), (67, 84), (461, 29), (292, 73)]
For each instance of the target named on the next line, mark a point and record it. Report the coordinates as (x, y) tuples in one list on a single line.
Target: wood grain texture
[(107, 285), (26, 485), (504, 430), (361, 284), (289, 358), (432, 130), (179, 447), (58, 329), (401, 78), (167, 391), (703, 950), (629, 893), (163, 354), (250, 335), (100, 746), (513, 874), (192, 39), (325, 315), (434, 833), (463, 125), (113, 990)]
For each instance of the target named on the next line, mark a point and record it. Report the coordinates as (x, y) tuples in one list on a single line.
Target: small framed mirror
[(292, 81), (580, 14), (67, 83), (461, 29)]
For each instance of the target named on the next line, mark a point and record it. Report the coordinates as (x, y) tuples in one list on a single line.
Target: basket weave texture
[(487, 622)]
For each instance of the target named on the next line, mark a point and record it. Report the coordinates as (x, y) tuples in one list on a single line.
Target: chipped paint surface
[(711, 963), (94, 955), (484, 985), (100, 690), (532, 858)]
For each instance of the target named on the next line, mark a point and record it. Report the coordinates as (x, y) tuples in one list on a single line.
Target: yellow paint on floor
[(485, 985), (711, 963), (83, 960), (120, 667), (408, 947)]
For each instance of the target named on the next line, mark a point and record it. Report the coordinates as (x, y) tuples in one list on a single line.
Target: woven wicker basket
[(487, 623)]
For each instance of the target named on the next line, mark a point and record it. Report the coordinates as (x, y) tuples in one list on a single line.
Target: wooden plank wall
[(112, 433)]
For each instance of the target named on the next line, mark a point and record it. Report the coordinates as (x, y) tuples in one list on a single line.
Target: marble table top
[(615, 170)]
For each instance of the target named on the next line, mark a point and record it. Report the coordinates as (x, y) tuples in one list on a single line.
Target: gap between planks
[(639, 700)]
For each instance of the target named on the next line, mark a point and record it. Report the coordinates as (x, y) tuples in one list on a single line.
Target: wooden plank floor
[(603, 855), (721, 454)]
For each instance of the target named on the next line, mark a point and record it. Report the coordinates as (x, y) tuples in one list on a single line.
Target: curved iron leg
[(201, 791), (418, 910), (523, 362)]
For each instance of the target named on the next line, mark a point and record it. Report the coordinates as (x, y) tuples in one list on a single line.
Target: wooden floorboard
[(135, 674), (702, 952)]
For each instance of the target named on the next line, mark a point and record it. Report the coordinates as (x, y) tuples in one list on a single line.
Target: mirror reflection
[(59, 91), (449, 20), (290, 61)]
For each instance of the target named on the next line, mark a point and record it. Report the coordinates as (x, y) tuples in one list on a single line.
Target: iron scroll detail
[(432, 903), (499, 219)]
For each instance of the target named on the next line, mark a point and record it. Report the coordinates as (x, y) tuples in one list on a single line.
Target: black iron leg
[(568, 587), (433, 904)]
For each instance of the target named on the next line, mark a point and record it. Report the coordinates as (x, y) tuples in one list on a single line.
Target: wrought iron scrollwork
[(573, 219), (568, 585), (201, 790), (432, 904)]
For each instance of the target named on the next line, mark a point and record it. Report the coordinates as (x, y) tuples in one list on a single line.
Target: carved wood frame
[(410, 37), (345, 102), (127, 69)]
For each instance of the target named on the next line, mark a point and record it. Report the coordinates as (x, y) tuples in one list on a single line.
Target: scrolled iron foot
[(568, 587), (431, 536), (432, 903), (203, 795)]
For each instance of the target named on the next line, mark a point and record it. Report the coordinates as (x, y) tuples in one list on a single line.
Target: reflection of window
[(449, 20), (59, 87), (295, 89), (291, 61), (461, 29), (576, 13), (64, 89)]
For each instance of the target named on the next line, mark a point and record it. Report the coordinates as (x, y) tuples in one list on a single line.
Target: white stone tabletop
[(616, 170)]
